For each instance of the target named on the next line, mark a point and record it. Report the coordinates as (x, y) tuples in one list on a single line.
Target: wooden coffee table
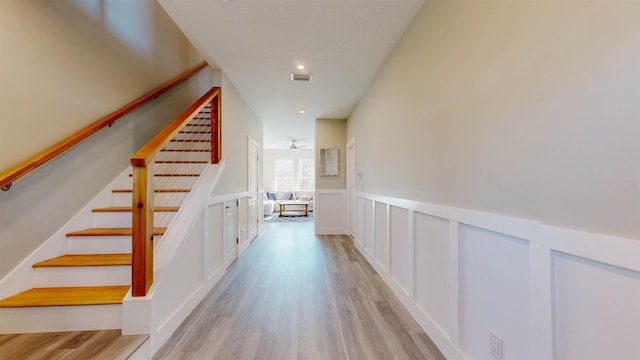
[(298, 211)]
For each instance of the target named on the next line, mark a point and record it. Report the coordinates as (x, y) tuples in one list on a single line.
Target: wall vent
[(301, 77)]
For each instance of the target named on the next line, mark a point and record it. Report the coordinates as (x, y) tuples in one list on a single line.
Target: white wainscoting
[(329, 212), (188, 262), (548, 292)]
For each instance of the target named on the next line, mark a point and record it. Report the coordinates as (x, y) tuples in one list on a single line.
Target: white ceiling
[(259, 43)]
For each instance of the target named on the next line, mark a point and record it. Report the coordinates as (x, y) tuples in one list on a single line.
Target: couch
[(272, 199)]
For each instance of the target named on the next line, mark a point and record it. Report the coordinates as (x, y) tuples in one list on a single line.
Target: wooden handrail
[(143, 191), (9, 176), (148, 152)]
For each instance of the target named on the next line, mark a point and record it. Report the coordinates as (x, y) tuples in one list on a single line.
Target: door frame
[(253, 192), (351, 188)]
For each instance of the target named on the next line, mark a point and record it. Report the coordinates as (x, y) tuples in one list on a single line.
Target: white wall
[(269, 163), (524, 108), (65, 64), (493, 129)]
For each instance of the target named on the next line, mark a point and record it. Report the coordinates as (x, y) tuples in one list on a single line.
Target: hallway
[(294, 295)]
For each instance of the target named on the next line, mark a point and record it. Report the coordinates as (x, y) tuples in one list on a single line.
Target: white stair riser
[(60, 318), (184, 136), (189, 145), (170, 168), (98, 244), (159, 199), (124, 219), (183, 182), (184, 156), (82, 276)]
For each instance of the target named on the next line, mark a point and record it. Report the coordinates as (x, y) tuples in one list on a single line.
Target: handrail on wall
[(9, 176), (142, 205)]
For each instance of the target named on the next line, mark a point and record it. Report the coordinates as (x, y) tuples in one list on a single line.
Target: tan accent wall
[(331, 134)]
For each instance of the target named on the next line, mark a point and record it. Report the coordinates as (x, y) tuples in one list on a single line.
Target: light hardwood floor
[(294, 295)]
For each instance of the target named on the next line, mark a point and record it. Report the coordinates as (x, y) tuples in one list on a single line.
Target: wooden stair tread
[(112, 232), (154, 190), (86, 260), (191, 141), (130, 209), (172, 175), (181, 162), (185, 150), (67, 296)]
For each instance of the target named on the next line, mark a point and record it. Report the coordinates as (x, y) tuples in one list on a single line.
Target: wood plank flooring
[(75, 345), (294, 295)]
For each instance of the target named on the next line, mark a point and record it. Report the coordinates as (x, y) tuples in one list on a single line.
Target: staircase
[(84, 288)]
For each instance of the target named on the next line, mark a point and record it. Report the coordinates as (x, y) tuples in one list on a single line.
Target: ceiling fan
[(293, 145)]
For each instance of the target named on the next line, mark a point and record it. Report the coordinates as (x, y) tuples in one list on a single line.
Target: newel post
[(216, 130), (142, 255)]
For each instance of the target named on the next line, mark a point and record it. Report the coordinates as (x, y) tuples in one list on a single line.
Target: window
[(294, 174), (305, 174), (284, 174)]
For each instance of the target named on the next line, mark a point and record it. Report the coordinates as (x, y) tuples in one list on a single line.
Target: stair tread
[(181, 162), (129, 209), (169, 175), (66, 296), (86, 260), (155, 190), (186, 150), (112, 232)]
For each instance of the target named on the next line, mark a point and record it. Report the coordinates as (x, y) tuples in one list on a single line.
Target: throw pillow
[(271, 195), (287, 195), (305, 198)]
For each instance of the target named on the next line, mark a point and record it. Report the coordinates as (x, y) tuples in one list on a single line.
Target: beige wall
[(63, 66), (238, 123), (331, 134), (524, 108)]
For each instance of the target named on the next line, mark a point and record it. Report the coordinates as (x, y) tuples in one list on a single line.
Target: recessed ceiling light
[(301, 111), (300, 67)]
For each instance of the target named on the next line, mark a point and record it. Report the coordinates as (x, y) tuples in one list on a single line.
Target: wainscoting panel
[(382, 235), (494, 292), (369, 225), (401, 255), (215, 237), (547, 292), (330, 212), (432, 261), (359, 221), (591, 296)]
